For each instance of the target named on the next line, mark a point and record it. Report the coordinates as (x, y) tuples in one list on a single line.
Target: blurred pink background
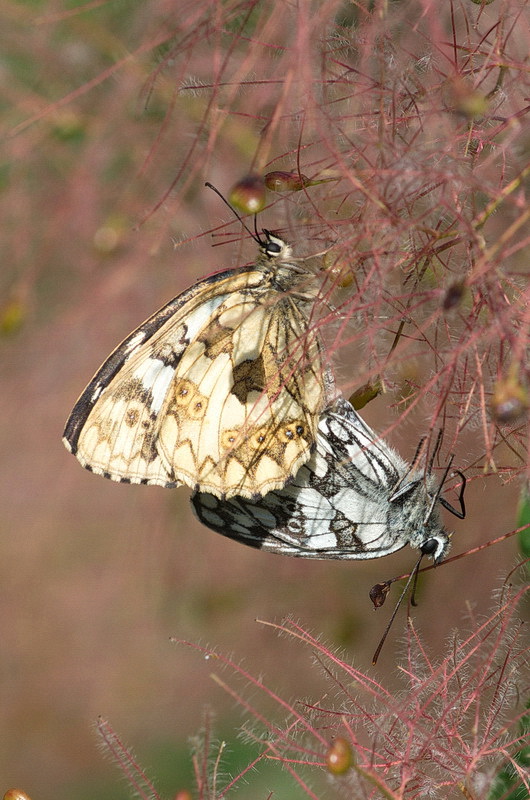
[(96, 576)]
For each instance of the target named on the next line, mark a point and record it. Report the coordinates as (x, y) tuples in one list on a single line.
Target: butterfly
[(354, 499), (220, 390)]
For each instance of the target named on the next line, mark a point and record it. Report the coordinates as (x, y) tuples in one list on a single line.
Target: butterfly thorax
[(412, 514), (283, 273)]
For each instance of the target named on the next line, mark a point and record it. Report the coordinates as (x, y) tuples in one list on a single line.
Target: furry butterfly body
[(220, 390), (354, 499)]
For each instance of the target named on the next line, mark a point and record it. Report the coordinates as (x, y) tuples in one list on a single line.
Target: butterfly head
[(435, 540), (414, 510), (436, 545), (274, 248)]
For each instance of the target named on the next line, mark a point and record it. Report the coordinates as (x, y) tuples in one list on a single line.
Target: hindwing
[(354, 499)]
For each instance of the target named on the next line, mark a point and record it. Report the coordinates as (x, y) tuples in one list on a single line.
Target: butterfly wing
[(338, 506), (220, 389)]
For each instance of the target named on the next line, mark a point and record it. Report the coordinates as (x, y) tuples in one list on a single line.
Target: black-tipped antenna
[(462, 513), (255, 235), (413, 575), (438, 492), (417, 454), (437, 497), (435, 451)]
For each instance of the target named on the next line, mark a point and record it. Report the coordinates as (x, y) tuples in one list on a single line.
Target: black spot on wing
[(170, 354), (249, 376), (217, 339), (134, 390), (345, 532)]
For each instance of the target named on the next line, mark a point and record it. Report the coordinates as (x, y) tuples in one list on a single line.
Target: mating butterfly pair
[(225, 390)]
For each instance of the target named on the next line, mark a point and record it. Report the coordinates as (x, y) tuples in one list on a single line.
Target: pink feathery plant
[(392, 137), (457, 728), (387, 138)]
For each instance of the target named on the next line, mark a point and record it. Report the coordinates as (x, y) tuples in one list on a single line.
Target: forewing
[(220, 389), (114, 427)]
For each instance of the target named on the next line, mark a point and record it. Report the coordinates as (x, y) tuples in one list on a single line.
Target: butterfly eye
[(273, 248), (273, 245), (429, 547)]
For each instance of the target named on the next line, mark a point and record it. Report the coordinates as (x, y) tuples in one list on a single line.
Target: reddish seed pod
[(460, 97), (364, 394), (340, 268), (378, 593), (279, 181), (16, 794), (454, 295), (339, 756), (510, 400), (248, 195), (345, 280)]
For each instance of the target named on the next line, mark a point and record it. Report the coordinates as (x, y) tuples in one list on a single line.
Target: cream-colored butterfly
[(220, 390)]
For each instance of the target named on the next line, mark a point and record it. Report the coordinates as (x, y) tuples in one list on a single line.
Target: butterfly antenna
[(416, 573), (462, 513), (437, 445), (417, 454), (413, 576), (436, 496), (255, 235), (413, 464)]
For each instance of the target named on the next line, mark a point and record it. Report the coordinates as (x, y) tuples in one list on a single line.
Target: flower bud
[(510, 399), (454, 295), (379, 592), (248, 195), (339, 756), (364, 394), (279, 181), (16, 794)]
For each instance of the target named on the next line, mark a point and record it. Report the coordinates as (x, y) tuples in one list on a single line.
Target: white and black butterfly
[(354, 499), (220, 390)]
